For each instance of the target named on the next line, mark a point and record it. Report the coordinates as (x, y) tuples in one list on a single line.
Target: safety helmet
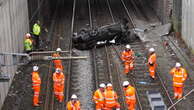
[(58, 50), (58, 70), (125, 83), (35, 68), (102, 85), (74, 96), (178, 65), (128, 46), (151, 50), (109, 85), (28, 35)]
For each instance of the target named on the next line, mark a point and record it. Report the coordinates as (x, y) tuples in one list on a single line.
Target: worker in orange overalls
[(110, 98), (58, 63), (36, 82), (130, 95), (128, 59), (152, 63), (74, 103), (58, 79), (98, 97), (179, 75)]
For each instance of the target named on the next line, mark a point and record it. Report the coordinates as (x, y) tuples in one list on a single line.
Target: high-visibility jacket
[(73, 106), (152, 59), (179, 76), (110, 98), (98, 97), (58, 63), (36, 29), (28, 44), (127, 55), (58, 79), (36, 81), (130, 94)]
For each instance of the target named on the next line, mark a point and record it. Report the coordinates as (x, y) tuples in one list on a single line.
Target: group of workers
[(31, 42), (105, 97), (58, 84), (179, 74)]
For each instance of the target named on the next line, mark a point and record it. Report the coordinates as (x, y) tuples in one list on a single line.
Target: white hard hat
[(58, 70), (109, 85), (74, 96), (125, 83), (28, 34), (151, 50), (128, 46), (102, 85), (178, 65), (58, 50), (35, 68)]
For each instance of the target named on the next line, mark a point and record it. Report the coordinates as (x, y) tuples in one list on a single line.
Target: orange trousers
[(178, 92), (131, 104), (152, 70), (129, 66), (58, 90), (99, 106), (36, 95), (115, 105)]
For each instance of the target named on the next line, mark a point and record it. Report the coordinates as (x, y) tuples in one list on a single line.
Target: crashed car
[(117, 33)]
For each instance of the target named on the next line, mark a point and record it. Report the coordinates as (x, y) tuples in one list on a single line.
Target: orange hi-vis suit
[(58, 63), (128, 58), (179, 76), (58, 79), (98, 98), (36, 82), (152, 64), (110, 99), (130, 97), (73, 105)]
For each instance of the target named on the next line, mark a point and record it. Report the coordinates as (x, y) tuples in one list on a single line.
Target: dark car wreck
[(117, 33)]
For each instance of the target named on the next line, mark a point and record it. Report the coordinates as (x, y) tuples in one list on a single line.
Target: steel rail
[(133, 81), (115, 66), (49, 91), (68, 75), (166, 91)]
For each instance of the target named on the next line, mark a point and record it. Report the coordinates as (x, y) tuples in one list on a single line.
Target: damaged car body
[(117, 33)]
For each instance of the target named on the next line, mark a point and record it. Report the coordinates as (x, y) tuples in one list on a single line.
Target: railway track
[(57, 36), (177, 55), (142, 69), (104, 67)]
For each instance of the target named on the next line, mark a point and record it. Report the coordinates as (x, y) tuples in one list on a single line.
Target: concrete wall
[(188, 22), (13, 26), (162, 9), (177, 16)]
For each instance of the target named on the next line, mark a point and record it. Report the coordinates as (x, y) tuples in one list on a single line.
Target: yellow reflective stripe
[(130, 97), (179, 76), (36, 84), (109, 98), (111, 102), (178, 83)]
